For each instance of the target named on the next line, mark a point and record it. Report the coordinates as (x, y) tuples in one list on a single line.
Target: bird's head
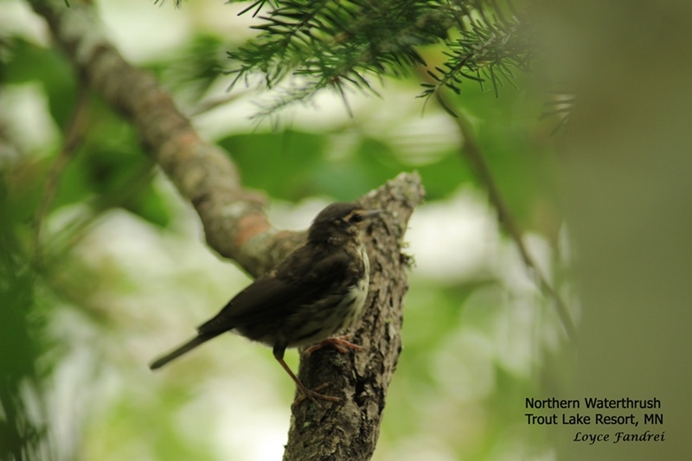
[(338, 222)]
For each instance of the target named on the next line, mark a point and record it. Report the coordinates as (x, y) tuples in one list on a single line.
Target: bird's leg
[(340, 343), (311, 394)]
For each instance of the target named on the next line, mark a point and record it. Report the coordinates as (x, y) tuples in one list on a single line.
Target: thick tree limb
[(236, 226), (348, 430), (234, 223)]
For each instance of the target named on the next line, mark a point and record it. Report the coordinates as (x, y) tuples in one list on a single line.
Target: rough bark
[(348, 430), (236, 227), (234, 222)]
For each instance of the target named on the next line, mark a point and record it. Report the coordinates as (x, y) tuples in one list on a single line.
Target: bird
[(314, 293)]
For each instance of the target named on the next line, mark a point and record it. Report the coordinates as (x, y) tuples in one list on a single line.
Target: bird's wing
[(297, 281)]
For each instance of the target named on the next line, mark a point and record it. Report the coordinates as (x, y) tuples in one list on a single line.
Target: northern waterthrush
[(315, 292)]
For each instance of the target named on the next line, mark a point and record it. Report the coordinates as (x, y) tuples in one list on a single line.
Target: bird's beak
[(368, 214)]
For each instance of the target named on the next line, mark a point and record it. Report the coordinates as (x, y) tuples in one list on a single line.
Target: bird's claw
[(314, 395), (340, 343)]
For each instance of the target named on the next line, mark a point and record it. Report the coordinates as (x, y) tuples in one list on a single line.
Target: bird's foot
[(340, 343), (314, 395)]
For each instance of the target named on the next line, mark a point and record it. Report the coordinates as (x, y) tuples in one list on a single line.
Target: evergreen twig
[(473, 153), (313, 45)]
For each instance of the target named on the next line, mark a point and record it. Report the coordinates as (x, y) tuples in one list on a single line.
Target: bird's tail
[(184, 349)]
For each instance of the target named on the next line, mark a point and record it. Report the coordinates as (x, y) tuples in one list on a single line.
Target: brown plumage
[(318, 290)]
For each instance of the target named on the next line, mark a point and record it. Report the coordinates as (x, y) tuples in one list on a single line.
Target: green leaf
[(280, 164), (31, 63)]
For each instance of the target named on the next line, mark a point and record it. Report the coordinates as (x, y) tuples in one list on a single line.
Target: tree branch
[(471, 150), (348, 430), (73, 137), (234, 223), (236, 226)]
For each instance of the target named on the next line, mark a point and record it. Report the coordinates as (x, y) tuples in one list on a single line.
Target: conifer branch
[(310, 46), (473, 154)]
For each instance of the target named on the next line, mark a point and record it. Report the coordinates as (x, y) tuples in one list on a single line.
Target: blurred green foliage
[(109, 171), (22, 343), (26, 62), (293, 165)]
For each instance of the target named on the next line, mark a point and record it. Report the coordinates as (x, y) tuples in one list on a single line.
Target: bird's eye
[(355, 217)]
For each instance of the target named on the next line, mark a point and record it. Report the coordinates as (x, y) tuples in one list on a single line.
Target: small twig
[(212, 103), (74, 133), (73, 232), (474, 155)]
